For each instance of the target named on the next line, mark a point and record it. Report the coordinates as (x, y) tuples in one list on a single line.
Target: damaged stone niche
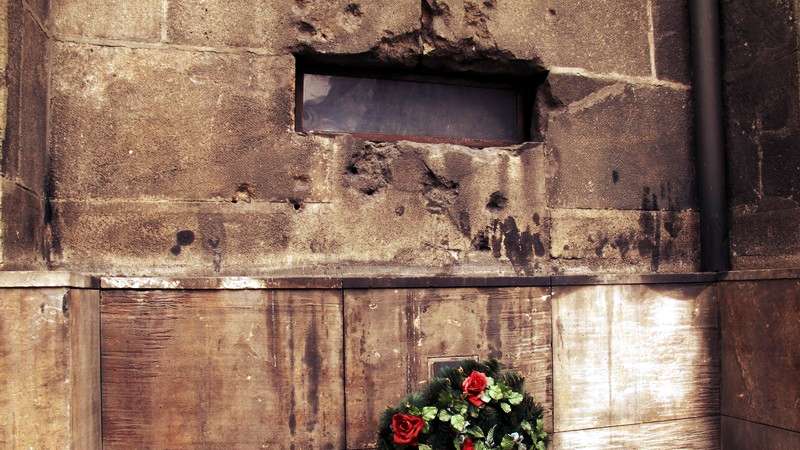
[(184, 159)]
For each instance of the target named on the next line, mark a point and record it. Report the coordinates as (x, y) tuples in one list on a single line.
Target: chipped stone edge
[(46, 279)]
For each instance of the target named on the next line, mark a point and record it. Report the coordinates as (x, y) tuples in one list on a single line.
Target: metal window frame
[(524, 88)]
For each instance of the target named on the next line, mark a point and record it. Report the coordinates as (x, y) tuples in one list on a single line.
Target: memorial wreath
[(473, 406)]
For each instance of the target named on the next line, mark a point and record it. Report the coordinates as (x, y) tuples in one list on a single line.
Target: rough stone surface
[(22, 233), (762, 101), (175, 124), (438, 217), (765, 239), (613, 148), (601, 36), (633, 241), (671, 40), (281, 26), (139, 20), (760, 364)]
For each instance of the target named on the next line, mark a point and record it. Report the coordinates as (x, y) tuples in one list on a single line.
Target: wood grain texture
[(49, 372), (698, 433), (761, 351), (633, 354), (222, 369), (740, 434), (393, 336)]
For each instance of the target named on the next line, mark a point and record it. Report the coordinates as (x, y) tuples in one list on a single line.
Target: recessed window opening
[(382, 106)]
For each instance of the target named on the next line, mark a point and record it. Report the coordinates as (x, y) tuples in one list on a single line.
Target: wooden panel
[(393, 336), (699, 433), (744, 435), (49, 373), (222, 369), (761, 351), (634, 354)]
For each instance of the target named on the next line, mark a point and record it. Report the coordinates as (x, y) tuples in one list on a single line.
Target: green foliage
[(509, 419)]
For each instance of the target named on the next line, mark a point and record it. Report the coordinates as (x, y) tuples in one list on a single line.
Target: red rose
[(473, 386), (406, 428), (468, 445)]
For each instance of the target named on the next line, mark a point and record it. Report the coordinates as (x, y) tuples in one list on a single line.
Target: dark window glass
[(428, 111)]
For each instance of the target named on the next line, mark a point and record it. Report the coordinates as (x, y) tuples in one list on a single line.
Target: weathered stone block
[(49, 368), (139, 20), (222, 369), (175, 124), (24, 148), (623, 147), (624, 241), (21, 228), (761, 94), (634, 354), (385, 206), (283, 26), (765, 239), (671, 40), (608, 36), (403, 332), (32, 160), (760, 362)]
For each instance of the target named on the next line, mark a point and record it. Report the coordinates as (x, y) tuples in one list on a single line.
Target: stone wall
[(23, 129), (763, 131), (173, 147)]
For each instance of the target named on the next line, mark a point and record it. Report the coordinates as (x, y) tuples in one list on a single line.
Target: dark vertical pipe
[(709, 134)]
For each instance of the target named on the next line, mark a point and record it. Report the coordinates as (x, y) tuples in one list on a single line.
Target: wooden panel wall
[(395, 335), (761, 364), (49, 369), (631, 356), (222, 369), (635, 366)]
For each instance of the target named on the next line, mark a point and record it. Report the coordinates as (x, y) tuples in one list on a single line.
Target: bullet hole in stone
[(296, 204), (400, 210), (481, 242), (497, 201), (615, 176), (354, 9), (551, 12), (41, 308), (536, 219), (305, 27), (352, 169), (244, 193), (182, 238)]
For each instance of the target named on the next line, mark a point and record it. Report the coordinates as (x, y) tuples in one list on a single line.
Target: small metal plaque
[(438, 363)]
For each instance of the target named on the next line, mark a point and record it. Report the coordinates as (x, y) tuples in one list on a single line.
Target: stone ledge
[(45, 279), (38, 279)]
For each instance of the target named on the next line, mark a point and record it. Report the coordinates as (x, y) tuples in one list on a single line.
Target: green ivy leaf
[(479, 445), (490, 436), (526, 426), (505, 407), (515, 398), (489, 381), (539, 424), (485, 397), (424, 447), (444, 416), (540, 445), (496, 392), (475, 431), (507, 443), (458, 422), (429, 412)]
